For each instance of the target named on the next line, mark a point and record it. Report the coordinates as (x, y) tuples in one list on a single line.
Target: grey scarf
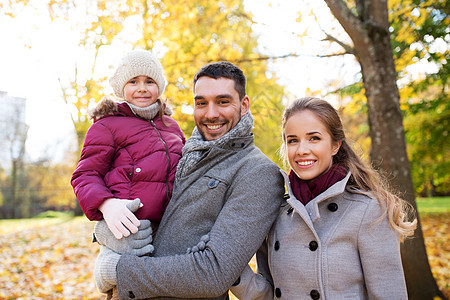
[(147, 113), (196, 146)]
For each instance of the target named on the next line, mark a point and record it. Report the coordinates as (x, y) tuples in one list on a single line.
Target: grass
[(433, 205), (47, 219), (425, 206)]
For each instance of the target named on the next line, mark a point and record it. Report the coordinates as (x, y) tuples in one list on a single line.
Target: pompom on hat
[(137, 63)]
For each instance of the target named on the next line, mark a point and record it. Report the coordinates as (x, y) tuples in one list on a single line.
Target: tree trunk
[(388, 154), (77, 211), (14, 189), (369, 32)]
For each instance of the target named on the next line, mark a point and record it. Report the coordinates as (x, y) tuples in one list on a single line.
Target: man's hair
[(224, 69)]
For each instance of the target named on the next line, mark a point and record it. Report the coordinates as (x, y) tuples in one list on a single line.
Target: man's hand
[(120, 219), (200, 246), (105, 269)]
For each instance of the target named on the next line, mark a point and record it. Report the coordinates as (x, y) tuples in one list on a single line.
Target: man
[(225, 188)]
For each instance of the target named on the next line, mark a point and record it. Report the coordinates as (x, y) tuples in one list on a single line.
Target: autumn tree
[(82, 88), (185, 36), (421, 58), (191, 34), (427, 124), (12, 140), (367, 24), (46, 185)]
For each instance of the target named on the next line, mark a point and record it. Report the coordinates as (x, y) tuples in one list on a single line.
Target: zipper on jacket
[(168, 166)]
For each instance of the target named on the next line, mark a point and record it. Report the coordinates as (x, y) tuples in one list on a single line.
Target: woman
[(338, 234)]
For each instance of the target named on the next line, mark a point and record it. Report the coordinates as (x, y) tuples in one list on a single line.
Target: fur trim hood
[(109, 106)]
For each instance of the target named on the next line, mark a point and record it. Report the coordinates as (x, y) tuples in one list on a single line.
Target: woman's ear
[(336, 147)]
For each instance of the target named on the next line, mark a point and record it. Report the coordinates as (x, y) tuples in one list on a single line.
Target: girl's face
[(141, 91), (309, 146)]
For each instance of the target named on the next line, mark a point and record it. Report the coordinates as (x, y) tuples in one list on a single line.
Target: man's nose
[(212, 112)]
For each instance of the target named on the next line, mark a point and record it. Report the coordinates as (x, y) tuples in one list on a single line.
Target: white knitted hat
[(136, 63)]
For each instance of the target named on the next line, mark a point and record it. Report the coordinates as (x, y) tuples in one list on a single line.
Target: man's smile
[(213, 126)]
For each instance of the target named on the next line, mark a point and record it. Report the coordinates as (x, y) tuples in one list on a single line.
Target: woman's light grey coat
[(332, 248)]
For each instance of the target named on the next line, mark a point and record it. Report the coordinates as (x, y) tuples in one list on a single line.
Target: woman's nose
[(302, 148)]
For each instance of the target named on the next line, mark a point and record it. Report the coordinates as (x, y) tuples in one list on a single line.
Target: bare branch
[(331, 38), (246, 16), (351, 23), (261, 58), (65, 97), (348, 49)]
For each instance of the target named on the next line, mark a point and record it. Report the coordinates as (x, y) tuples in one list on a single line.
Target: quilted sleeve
[(88, 178)]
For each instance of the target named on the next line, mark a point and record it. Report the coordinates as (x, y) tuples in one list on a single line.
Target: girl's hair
[(164, 110), (363, 177)]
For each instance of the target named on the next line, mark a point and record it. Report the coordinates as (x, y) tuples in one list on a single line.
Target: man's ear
[(245, 105)]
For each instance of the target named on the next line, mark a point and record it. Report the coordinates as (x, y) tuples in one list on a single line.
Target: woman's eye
[(315, 138), (291, 141)]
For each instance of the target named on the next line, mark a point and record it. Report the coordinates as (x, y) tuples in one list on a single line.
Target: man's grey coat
[(233, 194)]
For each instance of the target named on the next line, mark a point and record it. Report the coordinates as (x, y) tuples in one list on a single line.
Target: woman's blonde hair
[(363, 177)]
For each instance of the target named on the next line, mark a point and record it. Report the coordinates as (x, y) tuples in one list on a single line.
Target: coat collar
[(109, 106), (311, 210)]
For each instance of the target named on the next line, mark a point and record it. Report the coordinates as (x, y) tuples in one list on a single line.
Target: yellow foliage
[(413, 16), (185, 35)]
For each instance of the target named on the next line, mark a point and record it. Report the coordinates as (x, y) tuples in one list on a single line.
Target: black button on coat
[(332, 207)]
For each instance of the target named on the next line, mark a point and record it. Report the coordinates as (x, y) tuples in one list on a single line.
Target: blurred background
[(56, 56)]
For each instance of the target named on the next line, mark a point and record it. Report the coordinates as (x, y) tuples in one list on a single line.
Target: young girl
[(131, 151), (338, 234)]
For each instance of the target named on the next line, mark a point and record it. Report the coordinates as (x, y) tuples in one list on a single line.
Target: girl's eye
[(291, 141), (150, 81)]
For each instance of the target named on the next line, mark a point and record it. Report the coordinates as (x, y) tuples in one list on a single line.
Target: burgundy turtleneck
[(305, 191)]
